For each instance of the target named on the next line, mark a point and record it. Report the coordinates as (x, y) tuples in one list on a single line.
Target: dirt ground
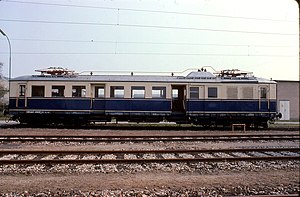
[(90, 182)]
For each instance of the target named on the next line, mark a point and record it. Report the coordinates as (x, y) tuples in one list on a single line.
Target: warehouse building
[(288, 99)]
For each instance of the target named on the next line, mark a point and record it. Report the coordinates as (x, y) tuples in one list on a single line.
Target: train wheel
[(265, 125)]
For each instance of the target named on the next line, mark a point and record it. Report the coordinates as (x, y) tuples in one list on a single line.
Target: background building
[(288, 99)]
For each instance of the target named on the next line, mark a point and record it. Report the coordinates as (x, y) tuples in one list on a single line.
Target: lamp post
[(9, 65)]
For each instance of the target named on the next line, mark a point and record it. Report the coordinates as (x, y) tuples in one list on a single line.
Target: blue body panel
[(86, 104), (145, 105), (60, 104), (140, 105), (230, 106)]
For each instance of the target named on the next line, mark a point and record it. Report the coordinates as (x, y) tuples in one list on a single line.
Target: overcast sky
[(260, 36)]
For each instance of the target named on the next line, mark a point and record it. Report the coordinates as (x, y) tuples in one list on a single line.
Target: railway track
[(281, 195), (134, 126), (153, 138), (145, 156)]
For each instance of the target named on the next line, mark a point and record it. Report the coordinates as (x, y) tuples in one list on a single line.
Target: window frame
[(263, 93), (34, 91), (97, 95), (213, 94), (162, 92), (138, 88), (193, 93), (61, 91), (22, 90), (113, 92), (81, 93), (175, 94)]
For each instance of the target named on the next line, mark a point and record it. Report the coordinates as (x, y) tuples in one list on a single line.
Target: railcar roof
[(193, 77)]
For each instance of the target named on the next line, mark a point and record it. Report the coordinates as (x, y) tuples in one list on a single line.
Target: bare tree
[(3, 90), (1, 66)]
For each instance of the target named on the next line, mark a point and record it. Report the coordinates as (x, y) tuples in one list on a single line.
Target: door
[(264, 104), (178, 98), (21, 100), (98, 99), (284, 109)]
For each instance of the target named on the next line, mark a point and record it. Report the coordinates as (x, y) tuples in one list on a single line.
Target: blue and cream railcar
[(200, 98)]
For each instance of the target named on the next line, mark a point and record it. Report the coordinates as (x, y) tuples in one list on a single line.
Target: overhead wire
[(139, 25), (148, 43), (145, 26), (147, 53), (145, 10)]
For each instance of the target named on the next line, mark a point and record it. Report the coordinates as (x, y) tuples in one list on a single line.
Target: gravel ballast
[(146, 179)]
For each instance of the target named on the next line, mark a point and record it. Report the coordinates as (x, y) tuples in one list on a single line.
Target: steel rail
[(292, 149), (274, 195), (142, 160), (122, 138), (156, 160), (158, 135), (166, 127)]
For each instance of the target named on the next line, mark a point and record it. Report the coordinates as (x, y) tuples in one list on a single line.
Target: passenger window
[(58, 91), (78, 91), (158, 92), (22, 90), (117, 91), (212, 92), (175, 94), (99, 92), (137, 92), (194, 92), (263, 92), (38, 91)]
